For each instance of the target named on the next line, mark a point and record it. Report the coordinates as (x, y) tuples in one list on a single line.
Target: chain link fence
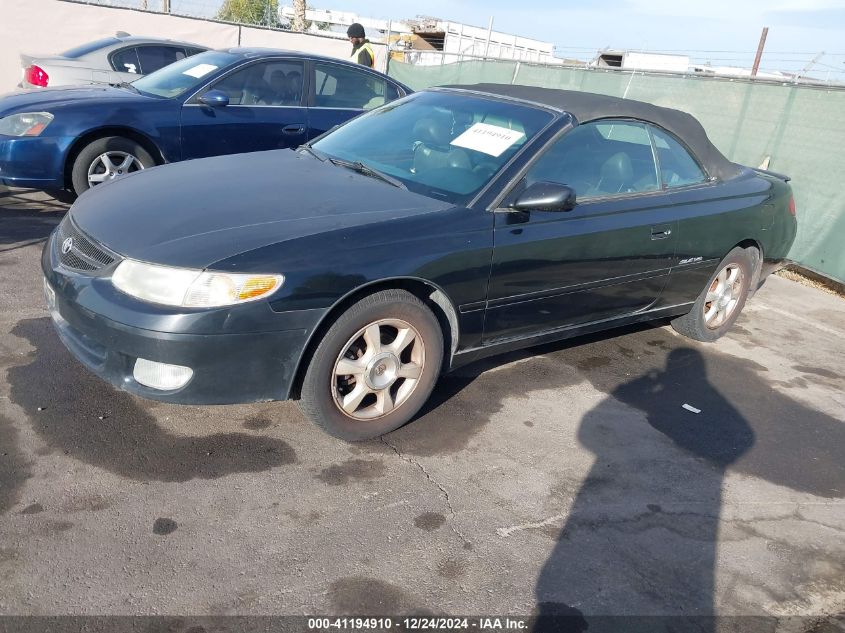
[(256, 12)]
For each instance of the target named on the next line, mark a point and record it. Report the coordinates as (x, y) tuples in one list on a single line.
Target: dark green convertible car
[(448, 225)]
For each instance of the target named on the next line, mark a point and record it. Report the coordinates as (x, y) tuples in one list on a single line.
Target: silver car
[(108, 61)]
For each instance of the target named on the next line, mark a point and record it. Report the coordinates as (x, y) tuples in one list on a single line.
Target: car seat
[(257, 92), (294, 94), (279, 87), (432, 149), (616, 174)]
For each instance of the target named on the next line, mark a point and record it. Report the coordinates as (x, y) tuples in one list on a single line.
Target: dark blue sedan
[(217, 102)]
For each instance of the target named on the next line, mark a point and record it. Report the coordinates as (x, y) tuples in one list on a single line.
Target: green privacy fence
[(800, 129)]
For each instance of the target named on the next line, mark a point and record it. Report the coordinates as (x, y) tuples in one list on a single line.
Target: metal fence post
[(387, 61)]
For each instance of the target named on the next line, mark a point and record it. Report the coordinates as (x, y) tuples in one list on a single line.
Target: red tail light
[(36, 76), (792, 205)]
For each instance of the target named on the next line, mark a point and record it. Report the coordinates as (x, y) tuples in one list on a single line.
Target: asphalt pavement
[(567, 478)]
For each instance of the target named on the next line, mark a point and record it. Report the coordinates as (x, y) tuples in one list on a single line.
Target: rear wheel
[(375, 367), (722, 299), (106, 159)]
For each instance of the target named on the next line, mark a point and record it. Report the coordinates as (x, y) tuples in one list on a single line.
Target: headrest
[(433, 132), (617, 168), (462, 118)]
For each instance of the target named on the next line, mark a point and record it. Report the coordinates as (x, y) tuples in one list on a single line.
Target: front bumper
[(230, 367), (35, 162)]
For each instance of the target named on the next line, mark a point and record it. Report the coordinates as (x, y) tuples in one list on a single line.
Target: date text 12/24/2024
[(417, 624)]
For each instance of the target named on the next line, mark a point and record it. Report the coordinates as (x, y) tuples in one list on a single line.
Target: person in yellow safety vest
[(362, 52)]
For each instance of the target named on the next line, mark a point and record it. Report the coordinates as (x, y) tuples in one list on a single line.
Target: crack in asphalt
[(440, 487)]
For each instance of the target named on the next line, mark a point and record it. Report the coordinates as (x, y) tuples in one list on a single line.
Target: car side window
[(598, 159), (153, 58), (677, 167), (274, 83), (337, 86), (126, 61)]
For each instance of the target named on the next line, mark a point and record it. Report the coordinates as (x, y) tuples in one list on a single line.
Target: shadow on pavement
[(27, 217), (86, 418), (641, 536)]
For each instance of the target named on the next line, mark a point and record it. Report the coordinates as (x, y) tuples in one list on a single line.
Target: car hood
[(51, 98), (199, 212)]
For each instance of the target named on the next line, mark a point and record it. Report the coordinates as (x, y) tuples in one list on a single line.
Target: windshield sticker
[(489, 139), (200, 70)]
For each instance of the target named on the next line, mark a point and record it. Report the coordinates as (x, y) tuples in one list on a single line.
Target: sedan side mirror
[(215, 99), (545, 196)]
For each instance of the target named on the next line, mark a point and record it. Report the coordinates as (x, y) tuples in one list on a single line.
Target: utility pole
[(809, 65), (489, 33), (166, 7), (759, 51)]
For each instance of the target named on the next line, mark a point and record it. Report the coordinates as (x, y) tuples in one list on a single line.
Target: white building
[(661, 62), (338, 21), (426, 40), (639, 60), (448, 42)]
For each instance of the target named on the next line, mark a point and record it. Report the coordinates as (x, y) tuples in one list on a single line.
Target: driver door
[(265, 111), (609, 256)]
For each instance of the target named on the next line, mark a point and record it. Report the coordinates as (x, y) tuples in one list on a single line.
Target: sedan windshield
[(445, 145), (184, 75)]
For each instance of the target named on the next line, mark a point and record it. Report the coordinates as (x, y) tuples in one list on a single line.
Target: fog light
[(161, 375)]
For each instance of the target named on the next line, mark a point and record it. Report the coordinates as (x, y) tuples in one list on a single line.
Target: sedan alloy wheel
[(378, 369), (723, 296), (375, 367), (111, 165)]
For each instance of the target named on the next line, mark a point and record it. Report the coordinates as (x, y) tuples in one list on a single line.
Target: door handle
[(293, 129), (660, 232)]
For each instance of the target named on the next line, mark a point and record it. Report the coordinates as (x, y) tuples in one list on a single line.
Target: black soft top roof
[(588, 106)]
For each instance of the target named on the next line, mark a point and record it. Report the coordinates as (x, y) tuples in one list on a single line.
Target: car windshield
[(90, 47), (445, 145), (184, 75)]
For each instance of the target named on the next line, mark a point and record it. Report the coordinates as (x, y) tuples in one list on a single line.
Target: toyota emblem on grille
[(67, 245)]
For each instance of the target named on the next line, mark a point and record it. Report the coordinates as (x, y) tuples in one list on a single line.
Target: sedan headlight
[(25, 123), (191, 288)]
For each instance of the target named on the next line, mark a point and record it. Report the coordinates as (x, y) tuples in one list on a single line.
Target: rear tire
[(374, 368), (721, 300), (102, 159)]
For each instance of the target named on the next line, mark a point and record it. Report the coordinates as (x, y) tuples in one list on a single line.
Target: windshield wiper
[(361, 168), (126, 84), (315, 153)]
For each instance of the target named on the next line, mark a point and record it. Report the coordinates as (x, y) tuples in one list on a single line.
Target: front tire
[(106, 159), (375, 367), (721, 300)]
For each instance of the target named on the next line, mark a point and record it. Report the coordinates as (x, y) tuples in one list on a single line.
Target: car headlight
[(190, 288), (25, 123)]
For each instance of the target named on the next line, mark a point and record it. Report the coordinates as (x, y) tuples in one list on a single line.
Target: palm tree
[(298, 15)]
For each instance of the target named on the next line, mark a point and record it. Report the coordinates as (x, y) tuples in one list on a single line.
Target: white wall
[(52, 26)]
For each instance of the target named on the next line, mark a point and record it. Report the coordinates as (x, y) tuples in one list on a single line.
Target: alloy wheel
[(378, 369), (111, 165), (723, 295)]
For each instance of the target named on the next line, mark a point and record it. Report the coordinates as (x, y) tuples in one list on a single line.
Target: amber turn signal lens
[(257, 286)]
